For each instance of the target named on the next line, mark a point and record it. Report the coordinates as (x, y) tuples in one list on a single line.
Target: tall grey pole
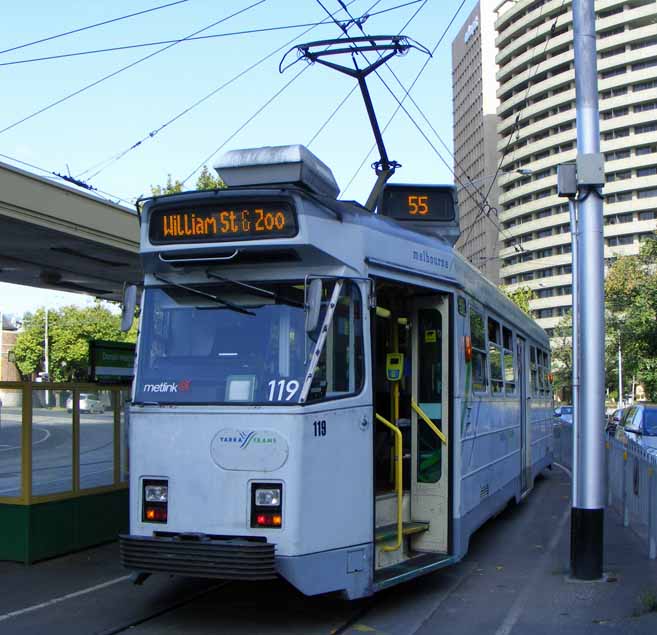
[(587, 520), (620, 375), (574, 239)]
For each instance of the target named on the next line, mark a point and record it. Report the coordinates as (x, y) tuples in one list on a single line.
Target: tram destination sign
[(222, 222), (418, 202)]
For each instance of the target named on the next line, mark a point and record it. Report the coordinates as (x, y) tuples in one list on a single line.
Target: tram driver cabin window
[(479, 362)]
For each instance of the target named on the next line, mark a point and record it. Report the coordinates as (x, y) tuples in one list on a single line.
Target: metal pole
[(620, 375), (574, 238), (47, 360), (587, 520)]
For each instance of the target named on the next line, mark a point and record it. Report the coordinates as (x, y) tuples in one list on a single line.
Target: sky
[(83, 134)]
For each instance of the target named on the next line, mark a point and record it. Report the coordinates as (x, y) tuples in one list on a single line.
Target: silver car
[(88, 403), (639, 424)]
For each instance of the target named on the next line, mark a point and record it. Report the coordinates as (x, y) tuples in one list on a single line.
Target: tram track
[(126, 626)]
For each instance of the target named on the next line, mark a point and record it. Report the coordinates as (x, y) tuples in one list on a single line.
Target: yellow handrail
[(428, 421), (398, 480)]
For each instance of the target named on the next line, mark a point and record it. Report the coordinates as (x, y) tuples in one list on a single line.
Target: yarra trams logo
[(244, 438), (169, 386)]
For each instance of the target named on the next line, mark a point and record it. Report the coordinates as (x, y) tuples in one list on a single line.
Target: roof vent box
[(277, 165)]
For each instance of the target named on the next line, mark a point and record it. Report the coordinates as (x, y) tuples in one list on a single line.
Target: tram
[(322, 393)]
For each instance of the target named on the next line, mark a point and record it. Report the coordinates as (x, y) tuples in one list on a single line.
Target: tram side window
[(534, 370), (495, 356), (509, 369), (478, 339), (340, 370), (544, 384)]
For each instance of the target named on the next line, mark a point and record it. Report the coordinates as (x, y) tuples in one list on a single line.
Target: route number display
[(418, 202)]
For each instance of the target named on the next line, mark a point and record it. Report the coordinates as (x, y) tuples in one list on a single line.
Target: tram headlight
[(155, 500), (267, 505), (156, 493), (269, 497)]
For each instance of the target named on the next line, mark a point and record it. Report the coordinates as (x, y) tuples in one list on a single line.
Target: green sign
[(111, 362)]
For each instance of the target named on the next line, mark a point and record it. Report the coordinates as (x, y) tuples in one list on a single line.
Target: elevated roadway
[(58, 237)]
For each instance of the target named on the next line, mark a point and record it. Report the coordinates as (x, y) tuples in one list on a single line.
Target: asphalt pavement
[(513, 580)]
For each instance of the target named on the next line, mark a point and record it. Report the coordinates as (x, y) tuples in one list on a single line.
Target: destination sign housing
[(222, 222)]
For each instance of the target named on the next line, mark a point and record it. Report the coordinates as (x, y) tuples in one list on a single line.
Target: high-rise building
[(537, 132), (475, 137)]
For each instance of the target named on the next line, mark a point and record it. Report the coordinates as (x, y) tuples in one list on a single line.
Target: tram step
[(389, 532)]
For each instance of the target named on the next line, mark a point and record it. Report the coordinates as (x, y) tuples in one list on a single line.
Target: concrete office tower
[(475, 136), (537, 90)]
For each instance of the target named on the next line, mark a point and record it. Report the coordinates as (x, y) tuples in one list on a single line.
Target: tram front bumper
[(199, 556)]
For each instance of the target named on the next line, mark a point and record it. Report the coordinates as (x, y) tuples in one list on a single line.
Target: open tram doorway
[(411, 362)]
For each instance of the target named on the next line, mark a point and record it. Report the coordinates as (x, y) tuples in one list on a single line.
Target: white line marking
[(517, 607), (63, 598), (6, 448)]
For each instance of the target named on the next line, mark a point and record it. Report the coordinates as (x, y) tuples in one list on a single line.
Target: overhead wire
[(353, 89), (516, 128), (253, 116), (93, 26), (483, 205), (56, 176), (105, 163), (124, 68), (113, 49)]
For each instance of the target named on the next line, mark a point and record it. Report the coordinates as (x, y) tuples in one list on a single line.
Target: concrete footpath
[(514, 580)]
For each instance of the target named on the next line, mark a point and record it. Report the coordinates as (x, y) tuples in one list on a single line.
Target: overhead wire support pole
[(587, 519)]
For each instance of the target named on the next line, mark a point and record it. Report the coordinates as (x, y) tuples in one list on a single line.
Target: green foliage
[(630, 317), (521, 297), (69, 331), (205, 181)]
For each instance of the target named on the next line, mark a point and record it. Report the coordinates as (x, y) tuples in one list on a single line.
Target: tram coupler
[(139, 577)]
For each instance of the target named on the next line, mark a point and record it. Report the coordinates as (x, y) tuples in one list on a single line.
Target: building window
[(649, 171), (613, 72), (649, 105), (614, 241), (618, 154), (645, 64), (648, 193), (645, 150), (647, 215), (647, 127)]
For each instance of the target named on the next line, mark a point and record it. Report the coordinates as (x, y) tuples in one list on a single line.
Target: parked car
[(564, 414), (613, 421), (639, 424), (88, 403)]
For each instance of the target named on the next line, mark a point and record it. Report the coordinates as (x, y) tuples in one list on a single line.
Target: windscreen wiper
[(214, 298), (257, 290)]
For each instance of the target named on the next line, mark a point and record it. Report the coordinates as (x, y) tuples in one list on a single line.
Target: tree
[(70, 329), (521, 297), (205, 181), (631, 302), (630, 320)]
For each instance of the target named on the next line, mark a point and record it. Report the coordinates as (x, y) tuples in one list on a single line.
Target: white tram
[(322, 393)]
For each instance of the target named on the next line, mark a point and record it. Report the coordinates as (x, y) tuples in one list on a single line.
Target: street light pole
[(587, 519)]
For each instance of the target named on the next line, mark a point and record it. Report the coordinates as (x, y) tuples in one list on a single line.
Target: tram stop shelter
[(63, 455)]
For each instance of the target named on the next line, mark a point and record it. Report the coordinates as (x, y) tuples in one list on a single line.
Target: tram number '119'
[(286, 389), (319, 428)]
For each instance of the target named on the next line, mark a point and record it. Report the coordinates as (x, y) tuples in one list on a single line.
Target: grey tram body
[(326, 542)]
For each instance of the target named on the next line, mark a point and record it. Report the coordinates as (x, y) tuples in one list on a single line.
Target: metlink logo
[(169, 387)]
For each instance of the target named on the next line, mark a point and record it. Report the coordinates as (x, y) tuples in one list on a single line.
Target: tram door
[(429, 450)]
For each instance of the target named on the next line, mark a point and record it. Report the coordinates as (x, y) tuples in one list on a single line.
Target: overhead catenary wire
[(249, 120), (516, 128), (344, 100), (124, 68), (56, 176), (415, 80), (92, 26), (483, 205), (126, 47), (105, 163)]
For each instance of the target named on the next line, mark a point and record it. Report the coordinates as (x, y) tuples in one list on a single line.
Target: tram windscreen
[(215, 344)]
